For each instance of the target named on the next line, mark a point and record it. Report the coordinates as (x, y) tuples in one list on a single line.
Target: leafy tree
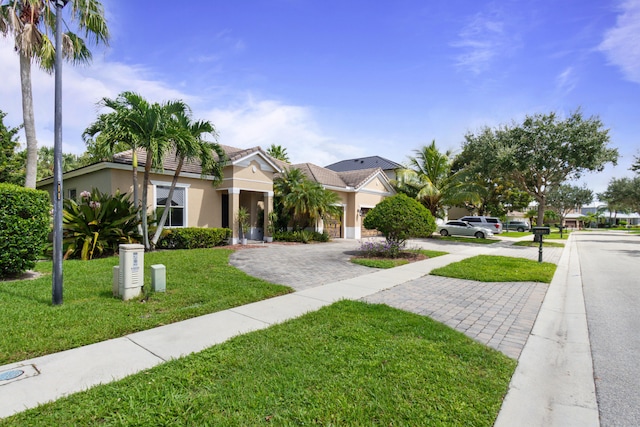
[(566, 198), (636, 165), (544, 151), (303, 200), (497, 193), (399, 218), (189, 145), (622, 194), (11, 164), (278, 152), (97, 224), (429, 179), (46, 162), (32, 24)]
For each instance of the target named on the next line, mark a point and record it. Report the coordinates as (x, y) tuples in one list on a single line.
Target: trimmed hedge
[(25, 222), (193, 238), (302, 236)]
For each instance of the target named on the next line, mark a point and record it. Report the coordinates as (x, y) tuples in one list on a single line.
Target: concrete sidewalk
[(529, 402)]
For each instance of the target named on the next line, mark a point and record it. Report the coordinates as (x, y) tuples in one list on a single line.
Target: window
[(176, 216), (71, 194)]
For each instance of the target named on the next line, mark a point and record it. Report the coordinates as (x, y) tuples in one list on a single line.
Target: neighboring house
[(359, 191), (388, 166), (573, 219), (248, 182)]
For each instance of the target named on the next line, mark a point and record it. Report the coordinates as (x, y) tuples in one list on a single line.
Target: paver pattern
[(498, 314)]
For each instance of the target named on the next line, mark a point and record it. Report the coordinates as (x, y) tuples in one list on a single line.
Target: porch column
[(234, 205), (268, 208)]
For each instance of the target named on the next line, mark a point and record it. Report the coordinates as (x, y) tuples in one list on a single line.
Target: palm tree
[(303, 199), (31, 22), (140, 125), (428, 179), (189, 145), (278, 152)]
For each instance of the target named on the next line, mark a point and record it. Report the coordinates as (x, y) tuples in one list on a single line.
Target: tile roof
[(364, 163), (324, 176)]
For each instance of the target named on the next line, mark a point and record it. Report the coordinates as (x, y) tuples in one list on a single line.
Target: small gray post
[(116, 281), (158, 278)]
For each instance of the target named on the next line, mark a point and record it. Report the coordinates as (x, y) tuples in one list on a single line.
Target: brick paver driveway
[(498, 314)]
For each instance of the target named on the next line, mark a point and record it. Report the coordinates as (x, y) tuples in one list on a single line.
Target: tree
[(46, 161), (11, 165), (429, 179), (278, 152), (566, 198), (497, 193), (30, 23), (636, 165), (399, 218), (303, 200), (543, 152), (139, 124), (622, 194), (189, 145)]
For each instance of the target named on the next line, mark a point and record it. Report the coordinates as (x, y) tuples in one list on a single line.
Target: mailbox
[(541, 231)]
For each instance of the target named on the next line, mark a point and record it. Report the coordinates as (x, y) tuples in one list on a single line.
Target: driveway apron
[(498, 314)]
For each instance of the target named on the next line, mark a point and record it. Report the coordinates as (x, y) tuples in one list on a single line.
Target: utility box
[(131, 271), (158, 278)]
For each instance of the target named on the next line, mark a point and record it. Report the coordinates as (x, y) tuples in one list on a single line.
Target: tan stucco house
[(248, 182)]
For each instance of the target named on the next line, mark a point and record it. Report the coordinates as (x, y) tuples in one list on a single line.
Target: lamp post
[(57, 163)]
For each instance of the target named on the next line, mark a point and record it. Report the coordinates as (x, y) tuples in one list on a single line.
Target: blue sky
[(331, 80)]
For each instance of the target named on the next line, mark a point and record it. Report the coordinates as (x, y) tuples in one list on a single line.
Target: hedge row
[(25, 221), (302, 236), (193, 238)]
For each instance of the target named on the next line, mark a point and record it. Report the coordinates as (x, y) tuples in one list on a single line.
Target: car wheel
[(444, 233), (520, 229), (479, 235)]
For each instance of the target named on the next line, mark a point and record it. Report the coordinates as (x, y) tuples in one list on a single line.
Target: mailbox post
[(538, 232)]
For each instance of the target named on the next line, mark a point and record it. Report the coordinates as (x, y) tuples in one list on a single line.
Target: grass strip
[(545, 244), (395, 262), (465, 239), (351, 363), (199, 281), (491, 268)]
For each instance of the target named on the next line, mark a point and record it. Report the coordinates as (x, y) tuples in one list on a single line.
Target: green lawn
[(515, 233), (349, 364), (198, 282), (490, 268), (545, 244), (465, 239), (395, 262)]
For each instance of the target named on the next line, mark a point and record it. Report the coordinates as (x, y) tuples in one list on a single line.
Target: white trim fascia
[(379, 193), (383, 178), (168, 184), (246, 160)]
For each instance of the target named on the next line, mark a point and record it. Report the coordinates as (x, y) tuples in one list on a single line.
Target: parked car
[(461, 228), (517, 226), (489, 222)]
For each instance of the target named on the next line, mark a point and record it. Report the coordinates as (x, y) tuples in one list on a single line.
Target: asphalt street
[(610, 263)]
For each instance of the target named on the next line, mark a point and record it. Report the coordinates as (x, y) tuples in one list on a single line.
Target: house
[(388, 166), (248, 182)]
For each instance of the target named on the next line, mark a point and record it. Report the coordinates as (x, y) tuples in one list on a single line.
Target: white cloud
[(621, 43), (248, 123), (566, 80), (481, 40), (265, 122)]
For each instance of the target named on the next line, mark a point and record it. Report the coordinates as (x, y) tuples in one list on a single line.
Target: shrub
[(386, 249), (301, 236), (399, 218), (98, 224), (193, 238), (25, 221)]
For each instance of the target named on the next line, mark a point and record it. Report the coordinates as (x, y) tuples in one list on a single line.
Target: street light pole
[(57, 163)]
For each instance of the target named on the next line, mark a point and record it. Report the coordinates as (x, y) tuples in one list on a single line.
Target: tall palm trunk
[(29, 121), (167, 205), (145, 193)]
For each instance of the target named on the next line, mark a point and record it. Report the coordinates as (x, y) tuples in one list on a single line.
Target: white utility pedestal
[(131, 271)]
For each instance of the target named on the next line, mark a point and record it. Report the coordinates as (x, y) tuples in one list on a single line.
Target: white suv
[(487, 222)]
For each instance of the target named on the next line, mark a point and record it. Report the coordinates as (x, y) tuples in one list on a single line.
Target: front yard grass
[(465, 239), (491, 268), (545, 244), (351, 363), (199, 281), (395, 262)]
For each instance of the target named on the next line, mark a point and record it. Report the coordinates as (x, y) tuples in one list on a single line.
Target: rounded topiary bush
[(24, 225), (399, 218)]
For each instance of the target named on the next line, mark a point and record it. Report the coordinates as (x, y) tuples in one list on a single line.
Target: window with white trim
[(176, 217)]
